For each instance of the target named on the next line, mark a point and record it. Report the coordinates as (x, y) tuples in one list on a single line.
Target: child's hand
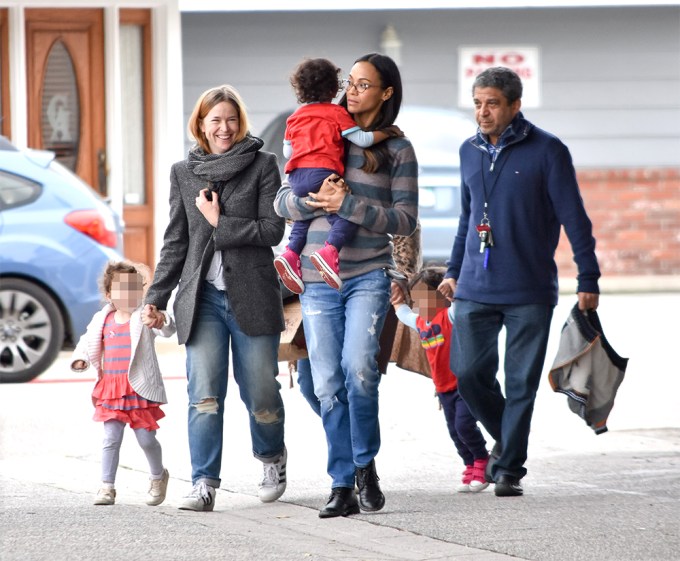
[(392, 131), (397, 297), (151, 317), (79, 365), (448, 289)]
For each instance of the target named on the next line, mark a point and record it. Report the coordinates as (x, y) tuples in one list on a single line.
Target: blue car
[(56, 236)]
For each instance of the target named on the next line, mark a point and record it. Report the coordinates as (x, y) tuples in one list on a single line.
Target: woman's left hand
[(330, 195), (209, 209)]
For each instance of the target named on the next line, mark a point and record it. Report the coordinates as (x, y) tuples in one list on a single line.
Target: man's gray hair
[(502, 79)]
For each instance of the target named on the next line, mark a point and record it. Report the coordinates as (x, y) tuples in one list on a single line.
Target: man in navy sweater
[(518, 188)]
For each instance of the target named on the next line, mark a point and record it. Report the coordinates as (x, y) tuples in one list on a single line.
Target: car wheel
[(31, 330)]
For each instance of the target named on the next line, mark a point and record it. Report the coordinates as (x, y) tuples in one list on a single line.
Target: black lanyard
[(487, 196)]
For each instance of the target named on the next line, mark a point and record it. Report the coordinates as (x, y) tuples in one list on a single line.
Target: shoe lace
[(367, 476), (200, 491), (155, 485), (271, 475)]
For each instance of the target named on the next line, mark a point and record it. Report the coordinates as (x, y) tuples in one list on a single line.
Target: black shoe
[(371, 497), (494, 454), (342, 502), (508, 486)]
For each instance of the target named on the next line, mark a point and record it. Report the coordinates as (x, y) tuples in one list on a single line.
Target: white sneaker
[(201, 498), (157, 489), (105, 496), (274, 482)]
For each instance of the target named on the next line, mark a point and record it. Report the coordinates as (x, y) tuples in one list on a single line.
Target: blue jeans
[(255, 361), (474, 360), (306, 384), (342, 331)]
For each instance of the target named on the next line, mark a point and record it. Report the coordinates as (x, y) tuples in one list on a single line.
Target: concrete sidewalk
[(621, 505), (613, 497)]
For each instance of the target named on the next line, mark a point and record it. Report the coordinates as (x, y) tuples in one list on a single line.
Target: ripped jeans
[(255, 363), (342, 330)]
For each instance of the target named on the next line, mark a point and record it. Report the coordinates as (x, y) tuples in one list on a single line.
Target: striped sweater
[(144, 373), (383, 204)]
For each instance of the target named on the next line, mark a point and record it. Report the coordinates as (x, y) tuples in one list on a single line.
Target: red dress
[(116, 400)]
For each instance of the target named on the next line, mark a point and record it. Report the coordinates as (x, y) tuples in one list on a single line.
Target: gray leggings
[(113, 438)]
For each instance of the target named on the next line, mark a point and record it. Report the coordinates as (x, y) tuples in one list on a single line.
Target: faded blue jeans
[(255, 361), (474, 360), (342, 329)]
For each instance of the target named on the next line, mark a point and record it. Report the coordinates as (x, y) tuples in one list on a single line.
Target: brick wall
[(636, 222)]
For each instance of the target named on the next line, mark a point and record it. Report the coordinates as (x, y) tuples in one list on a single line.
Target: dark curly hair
[(431, 277), (316, 79)]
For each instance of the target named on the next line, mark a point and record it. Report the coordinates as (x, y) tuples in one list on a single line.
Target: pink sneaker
[(464, 486), (479, 482), (289, 268), (328, 264)]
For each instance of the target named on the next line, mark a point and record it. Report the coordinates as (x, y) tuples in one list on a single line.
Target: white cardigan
[(144, 374)]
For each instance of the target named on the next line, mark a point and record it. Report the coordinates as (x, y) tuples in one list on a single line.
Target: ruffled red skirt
[(117, 401)]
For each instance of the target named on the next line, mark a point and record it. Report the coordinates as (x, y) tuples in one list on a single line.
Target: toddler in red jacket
[(431, 317)]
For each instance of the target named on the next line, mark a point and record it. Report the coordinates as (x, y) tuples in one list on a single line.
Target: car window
[(16, 191)]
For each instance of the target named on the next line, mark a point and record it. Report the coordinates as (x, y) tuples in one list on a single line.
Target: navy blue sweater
[(531, 191)]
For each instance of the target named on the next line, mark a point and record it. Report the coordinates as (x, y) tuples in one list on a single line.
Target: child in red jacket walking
[(432, 320)]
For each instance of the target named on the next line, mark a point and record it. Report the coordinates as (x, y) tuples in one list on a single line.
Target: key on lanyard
[(485, 240)]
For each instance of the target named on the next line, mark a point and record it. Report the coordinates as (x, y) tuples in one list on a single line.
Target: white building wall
[(610, 76)]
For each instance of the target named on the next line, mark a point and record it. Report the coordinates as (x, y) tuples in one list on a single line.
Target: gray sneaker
[(274, 482), (158, 489), (201, 498)]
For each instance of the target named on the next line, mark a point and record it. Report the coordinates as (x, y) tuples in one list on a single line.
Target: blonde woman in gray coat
[(217, 252)]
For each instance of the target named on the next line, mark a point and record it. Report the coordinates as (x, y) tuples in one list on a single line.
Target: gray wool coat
[(247, 229)]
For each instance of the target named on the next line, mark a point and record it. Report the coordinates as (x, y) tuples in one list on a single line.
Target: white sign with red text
[(523, 60)]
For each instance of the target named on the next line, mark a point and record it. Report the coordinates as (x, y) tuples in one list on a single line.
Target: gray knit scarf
[(222, 167)]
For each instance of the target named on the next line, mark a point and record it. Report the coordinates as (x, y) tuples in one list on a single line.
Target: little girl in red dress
[(129, 388)]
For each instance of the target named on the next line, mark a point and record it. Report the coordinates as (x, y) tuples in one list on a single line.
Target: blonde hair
[(207, 100)]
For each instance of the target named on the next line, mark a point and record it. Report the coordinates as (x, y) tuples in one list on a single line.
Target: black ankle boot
[(371, 497), (342, 502)]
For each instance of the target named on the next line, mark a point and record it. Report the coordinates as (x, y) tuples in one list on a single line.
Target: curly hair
[(431, 277), (114, 268), (315, 79)]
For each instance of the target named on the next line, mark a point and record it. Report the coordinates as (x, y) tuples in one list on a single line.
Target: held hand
[(448, 289), (330, 195), (588, 301), (151, 317), (397, 297), (210, 209)]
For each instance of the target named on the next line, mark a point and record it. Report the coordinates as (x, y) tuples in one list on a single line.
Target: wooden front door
[(66, 106), (67, 112)]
